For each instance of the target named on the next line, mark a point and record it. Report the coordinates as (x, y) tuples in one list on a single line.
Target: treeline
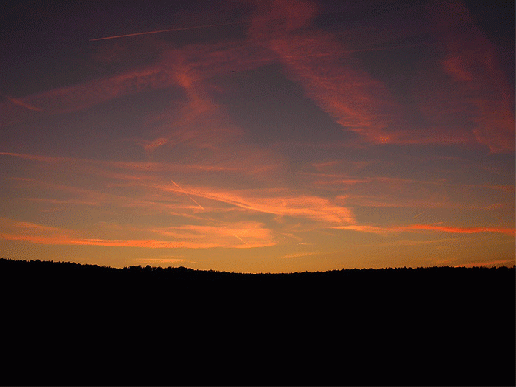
[(88, 324), (50, 267), (430, 282)]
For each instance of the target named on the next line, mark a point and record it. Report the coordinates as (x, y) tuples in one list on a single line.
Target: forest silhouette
[(67, 323)]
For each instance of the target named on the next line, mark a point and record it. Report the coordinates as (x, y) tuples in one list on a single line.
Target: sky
[(258, 136)]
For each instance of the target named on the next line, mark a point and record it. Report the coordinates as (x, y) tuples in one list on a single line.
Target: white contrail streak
[(236, 236), (161, 31), (187, 194)]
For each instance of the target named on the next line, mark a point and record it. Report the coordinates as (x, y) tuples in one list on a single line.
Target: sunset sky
[(258, 136)]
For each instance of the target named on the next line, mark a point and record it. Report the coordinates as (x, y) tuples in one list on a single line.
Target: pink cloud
[(20, 102), (82, 96), (478, 89), (473, 105), (186, 67), (330, 76), (350, 96)]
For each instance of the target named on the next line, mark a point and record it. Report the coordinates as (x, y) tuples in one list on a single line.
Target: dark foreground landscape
[(65, 323)]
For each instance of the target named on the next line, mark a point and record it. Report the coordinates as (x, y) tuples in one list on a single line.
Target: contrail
[(236, 236), (167, 30), (19, 102), (187, 194)]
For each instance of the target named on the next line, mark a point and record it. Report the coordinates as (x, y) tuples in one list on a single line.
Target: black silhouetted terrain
[(66, 323)]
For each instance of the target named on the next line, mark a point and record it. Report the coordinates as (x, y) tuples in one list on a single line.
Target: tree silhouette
[(437, 325)]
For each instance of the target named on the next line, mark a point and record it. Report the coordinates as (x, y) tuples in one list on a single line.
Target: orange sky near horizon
[(258, 136)]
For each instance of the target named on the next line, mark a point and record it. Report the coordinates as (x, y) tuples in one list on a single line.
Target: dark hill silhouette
[(66, 323)]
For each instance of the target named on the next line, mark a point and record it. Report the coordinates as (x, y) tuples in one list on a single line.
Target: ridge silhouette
[(69, 323)]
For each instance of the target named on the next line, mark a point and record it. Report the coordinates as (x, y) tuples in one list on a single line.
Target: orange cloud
[(427, 227), (256, 162), (301, 254), (239, 235), (367, 228), (461, 230), (154, 194), (305, 206), (66, 240), (28, 227)]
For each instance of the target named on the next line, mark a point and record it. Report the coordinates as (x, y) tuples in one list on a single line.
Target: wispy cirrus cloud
[(185, 68), (24, 104), (461, 230), (277, 202), (318, 62), (301, 254), (479, 93), (239, 235), (333, 77), (255, 164), (82, 96), (295, 120), (427, 227), (236, 234), (323, 63), (281, 202)]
